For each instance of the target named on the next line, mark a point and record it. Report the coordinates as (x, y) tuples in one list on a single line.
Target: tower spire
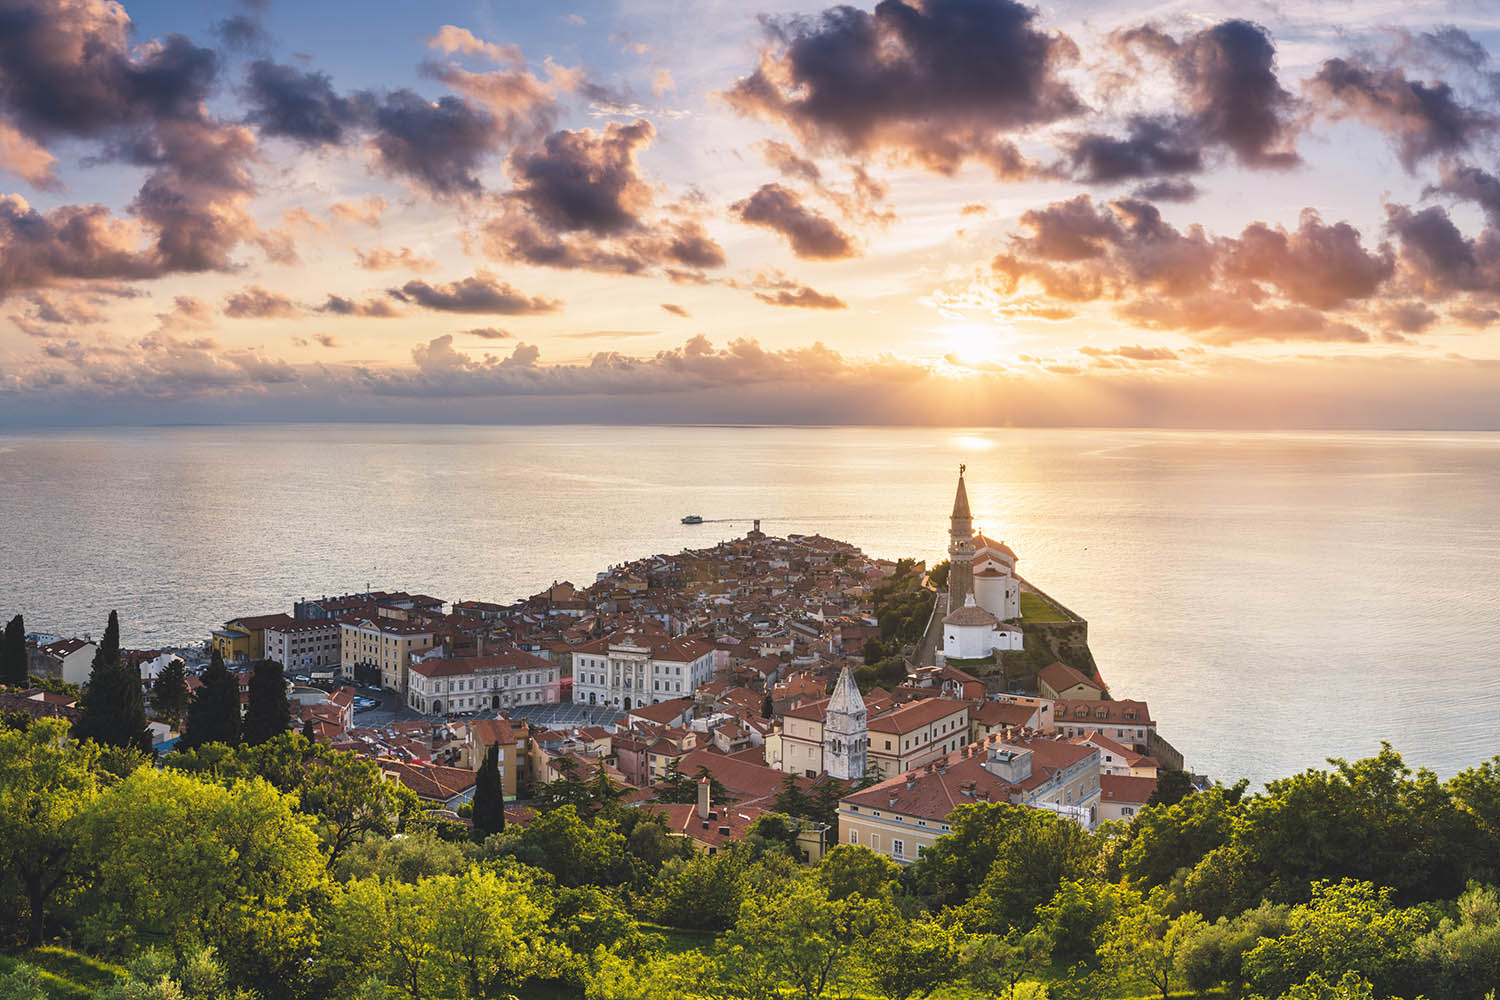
[(960, 547)]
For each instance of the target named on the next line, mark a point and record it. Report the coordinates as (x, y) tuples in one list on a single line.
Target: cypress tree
[(114, 711), (13, 654), (489, 796), (169, 695), (214, 715), (308, 731), (767, 709), (267, 715)]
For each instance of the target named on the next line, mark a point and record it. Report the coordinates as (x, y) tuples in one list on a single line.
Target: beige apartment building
[(384, 645), (915, 733), (904, 815)]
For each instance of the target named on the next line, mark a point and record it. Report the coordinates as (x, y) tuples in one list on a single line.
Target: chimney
[(704, 785)]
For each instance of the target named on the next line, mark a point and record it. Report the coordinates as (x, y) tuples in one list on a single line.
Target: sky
[(946, 212)]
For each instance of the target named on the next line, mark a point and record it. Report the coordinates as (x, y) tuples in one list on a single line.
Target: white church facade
[(984, 593)]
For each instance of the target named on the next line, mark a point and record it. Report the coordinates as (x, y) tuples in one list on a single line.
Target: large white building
[(984, 593), (304, 644), (627, 671), (507, 679)]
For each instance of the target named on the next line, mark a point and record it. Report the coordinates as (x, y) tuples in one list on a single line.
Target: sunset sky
[(965, 212)]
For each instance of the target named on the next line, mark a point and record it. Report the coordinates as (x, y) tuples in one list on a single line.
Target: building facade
[(628, 671), (381, 649), (302, 646), (508, 679)]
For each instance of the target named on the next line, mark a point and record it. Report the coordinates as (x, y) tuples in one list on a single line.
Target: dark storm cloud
[(1423, 119), (242, 31), (585, 181), (293, 104), (481, 293), (811, 235), (578, 201), (1438, 260), (933, 83), (1153, 146), (1230, 99), (1470, 183), (439, 144), (70, 69)]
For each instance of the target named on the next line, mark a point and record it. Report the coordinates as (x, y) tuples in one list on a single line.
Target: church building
[(984, 593)]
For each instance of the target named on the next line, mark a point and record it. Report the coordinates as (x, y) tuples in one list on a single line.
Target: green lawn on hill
[(66, 975), (1034, 608)]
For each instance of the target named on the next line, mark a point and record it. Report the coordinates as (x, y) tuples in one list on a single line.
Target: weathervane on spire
[(962, 468)]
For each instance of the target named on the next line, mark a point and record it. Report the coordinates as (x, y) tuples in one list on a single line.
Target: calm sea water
[(1277, 598)]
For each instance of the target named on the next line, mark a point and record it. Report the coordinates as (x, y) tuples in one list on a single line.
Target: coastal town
[(756, 669)]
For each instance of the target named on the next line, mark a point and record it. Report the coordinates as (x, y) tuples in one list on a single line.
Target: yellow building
[(244, 638), (382, 645)]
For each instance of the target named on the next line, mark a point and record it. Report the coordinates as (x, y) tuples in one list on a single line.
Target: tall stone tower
[(960, 548), (845, 739)]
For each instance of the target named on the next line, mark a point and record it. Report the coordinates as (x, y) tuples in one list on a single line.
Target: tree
[(767, 707), (47, 783), (267, 714), (853, 869), (478, 934), (489, 796), (1347, 926), (13, 668), (995, 964), (912, 959), (1172, 786), (214, 715), (169, 695), (574, 850), (180, 862), (795, 937), (309, 732), (1144, 943), (114, 711)]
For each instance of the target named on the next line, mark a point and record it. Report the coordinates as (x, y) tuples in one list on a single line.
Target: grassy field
[(1035, 609), (66, 975)]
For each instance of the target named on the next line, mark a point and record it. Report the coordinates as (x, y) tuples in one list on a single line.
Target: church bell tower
[(960, 547)]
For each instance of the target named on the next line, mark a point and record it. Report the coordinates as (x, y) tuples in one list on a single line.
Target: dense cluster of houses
[(731, 665)]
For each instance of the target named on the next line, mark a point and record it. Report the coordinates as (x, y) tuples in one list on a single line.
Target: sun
[(974, 342)]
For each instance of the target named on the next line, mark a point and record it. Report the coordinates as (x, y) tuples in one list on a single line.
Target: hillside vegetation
[(234, 874)]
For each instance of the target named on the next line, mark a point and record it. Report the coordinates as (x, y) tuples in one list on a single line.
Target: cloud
[(585, 180), (489, 333), (1229, 94), (451, 39), (675, 309), (383, 259), (73, 242), (789, 163), (326, 339), (482, 293), (811, 235), (933, 84), (1437, 259), (1422, 119), (301, 105), (1466, 182), (374, 308), (578, 201), (366, 212), (1133, 352), (1314, 282), (609, 334), (777, 289), (240, 31), (255, 302)]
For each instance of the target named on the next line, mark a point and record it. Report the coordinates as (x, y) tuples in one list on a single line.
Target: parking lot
[(562, 715)]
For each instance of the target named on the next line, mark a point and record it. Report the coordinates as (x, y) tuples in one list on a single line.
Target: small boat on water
[(692, 519)]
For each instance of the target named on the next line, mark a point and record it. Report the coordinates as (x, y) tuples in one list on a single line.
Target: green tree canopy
[(169, 694), (114, 710), (267, 715), (214, 714)]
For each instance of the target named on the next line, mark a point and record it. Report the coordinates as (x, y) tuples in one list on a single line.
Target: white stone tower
[(845, 739), (960, 548)]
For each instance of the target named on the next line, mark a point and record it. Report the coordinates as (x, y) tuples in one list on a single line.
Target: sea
[(1277, 598)]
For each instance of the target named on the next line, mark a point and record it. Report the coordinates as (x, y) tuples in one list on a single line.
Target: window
[(898, 848), (853, 836)]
